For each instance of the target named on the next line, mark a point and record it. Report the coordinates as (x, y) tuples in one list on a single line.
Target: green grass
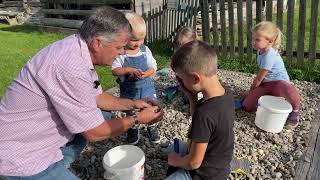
[(19, 43)]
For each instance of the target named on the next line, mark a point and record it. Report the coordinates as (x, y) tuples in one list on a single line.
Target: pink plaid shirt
[(51, 99)]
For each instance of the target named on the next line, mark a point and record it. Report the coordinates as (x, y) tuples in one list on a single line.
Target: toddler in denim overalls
[(134, 69)]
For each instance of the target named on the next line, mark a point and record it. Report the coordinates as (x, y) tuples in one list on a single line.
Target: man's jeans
[(58, 170)]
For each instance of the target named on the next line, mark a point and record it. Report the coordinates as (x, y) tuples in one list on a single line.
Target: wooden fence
[(164, 21), (224, 39)]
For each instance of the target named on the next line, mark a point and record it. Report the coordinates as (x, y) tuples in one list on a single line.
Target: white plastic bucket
[(124, 162), (272, 113)]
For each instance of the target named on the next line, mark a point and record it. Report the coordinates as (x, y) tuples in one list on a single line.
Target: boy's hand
[(189, 94), (173, 158)]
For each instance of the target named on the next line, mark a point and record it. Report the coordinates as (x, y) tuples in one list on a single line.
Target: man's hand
[(140, 104), (150, 115)]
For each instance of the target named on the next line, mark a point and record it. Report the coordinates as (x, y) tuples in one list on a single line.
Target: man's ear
[(196, 77), (95, 44)]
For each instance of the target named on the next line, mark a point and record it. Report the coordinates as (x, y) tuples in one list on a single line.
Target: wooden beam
[(62, 22), (92, 2), (12, 3), (67, 12)]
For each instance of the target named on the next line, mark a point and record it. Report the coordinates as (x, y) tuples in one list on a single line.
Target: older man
[(54, 104)]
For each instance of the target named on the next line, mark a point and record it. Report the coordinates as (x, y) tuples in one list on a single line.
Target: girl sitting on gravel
[(272, 77)]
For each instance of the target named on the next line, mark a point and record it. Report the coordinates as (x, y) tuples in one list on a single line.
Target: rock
[(268, 153)]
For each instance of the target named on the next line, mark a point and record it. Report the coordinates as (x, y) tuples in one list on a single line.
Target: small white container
[(272, 113), (124, 162)]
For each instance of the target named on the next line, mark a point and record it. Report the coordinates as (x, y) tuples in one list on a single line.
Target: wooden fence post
[(289, 44), (280, 14), (205, 21), (258, 11), (231, 22), (313, 33), (301, 32), (240, 30), (214, 16), (223, 27), (249, 27), (269, 10)]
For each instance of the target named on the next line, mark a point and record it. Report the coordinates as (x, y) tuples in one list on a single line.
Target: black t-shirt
[(212, 123)]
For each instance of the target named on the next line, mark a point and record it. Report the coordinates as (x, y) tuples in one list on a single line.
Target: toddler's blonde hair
[(184, 35), (271, 32), (138, 25)]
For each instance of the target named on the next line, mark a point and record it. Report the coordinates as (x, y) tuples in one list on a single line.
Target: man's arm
[(115, 127), (191, 161), (109, 102)]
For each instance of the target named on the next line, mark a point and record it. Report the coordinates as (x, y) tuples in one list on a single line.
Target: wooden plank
[(214, 19), (258, 11), (205, 21), (67, 12), (231, 24), (313, 33), (289, 43), (196, 10), (12, 3), (303, 165), (280, 14), (161, 11), (156, 18), (315, 165), (223, 27), (301, 32), (96, 2), (62, 22), (149, 27), (249, 32), (153, 24), (190, 12), (269, 10), (240, 31)]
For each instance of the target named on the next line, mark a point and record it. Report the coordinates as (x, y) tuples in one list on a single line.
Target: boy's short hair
[(195, 56), (137, 23), (184, 35)]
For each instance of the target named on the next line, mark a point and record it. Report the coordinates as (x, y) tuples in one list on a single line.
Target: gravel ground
[(271, 156)]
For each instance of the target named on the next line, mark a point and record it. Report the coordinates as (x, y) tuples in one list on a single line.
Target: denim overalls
[(136, 89)]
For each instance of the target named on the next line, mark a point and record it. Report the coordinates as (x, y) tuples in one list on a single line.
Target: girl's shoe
[(292, 120)]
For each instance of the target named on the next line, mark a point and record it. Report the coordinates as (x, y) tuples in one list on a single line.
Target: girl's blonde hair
[(138, 25), (184, 35), (270, 31)]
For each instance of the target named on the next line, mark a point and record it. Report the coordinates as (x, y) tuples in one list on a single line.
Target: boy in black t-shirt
[(211, 135)]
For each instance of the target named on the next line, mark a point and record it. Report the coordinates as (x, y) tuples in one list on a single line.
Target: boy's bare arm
[(259, 78), (191, 161)]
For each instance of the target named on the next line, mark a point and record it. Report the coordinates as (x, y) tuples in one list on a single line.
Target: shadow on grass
[(20, 28)]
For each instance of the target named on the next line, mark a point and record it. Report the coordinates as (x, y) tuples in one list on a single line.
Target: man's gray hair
[(105, 22)]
